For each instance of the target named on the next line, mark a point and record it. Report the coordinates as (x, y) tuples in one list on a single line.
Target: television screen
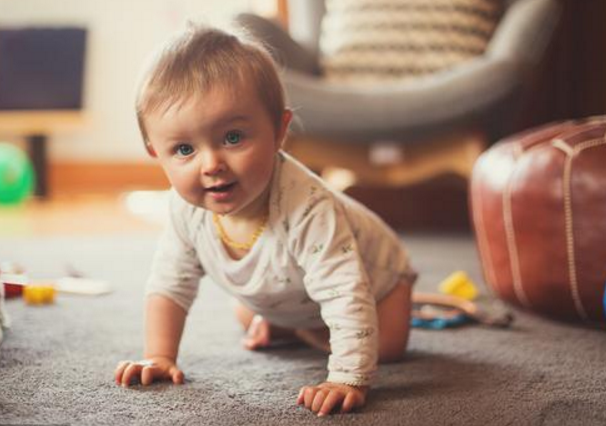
[(42, 68)]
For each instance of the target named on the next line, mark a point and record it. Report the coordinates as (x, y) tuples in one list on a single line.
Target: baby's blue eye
[(233, 138), (184, 149)]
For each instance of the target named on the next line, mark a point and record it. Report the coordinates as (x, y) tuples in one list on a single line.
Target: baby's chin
[(226, 208), (223, 211)]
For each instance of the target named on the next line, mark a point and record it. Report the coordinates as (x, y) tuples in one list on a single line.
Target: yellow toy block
[(459, 284), (39, 294)]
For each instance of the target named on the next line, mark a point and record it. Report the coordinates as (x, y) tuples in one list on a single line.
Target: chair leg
[(346, 164)]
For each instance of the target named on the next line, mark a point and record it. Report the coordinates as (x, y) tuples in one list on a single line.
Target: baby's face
[(218, 149)]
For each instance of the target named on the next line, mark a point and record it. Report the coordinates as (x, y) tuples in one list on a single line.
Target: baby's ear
[(150, 150), (286, 119)]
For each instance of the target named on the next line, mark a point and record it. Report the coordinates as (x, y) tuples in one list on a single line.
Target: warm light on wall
[(272, 9), (268, 8)]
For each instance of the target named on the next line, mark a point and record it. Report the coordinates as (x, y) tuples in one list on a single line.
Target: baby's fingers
[(120, 371), (301, 397), (318, 400), (177, 376), (330, 402), (132, 371), (149, 373), (350, 402), (307, 396)]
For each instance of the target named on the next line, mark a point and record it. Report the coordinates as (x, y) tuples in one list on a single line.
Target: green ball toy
[(16, 175)]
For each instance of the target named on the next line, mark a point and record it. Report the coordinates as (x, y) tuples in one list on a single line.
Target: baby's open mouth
[(221, 188)]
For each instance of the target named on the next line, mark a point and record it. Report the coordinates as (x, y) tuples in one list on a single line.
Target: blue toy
[(439, 311)]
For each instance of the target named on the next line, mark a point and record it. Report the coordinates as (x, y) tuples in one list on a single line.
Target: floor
[(56, 361)]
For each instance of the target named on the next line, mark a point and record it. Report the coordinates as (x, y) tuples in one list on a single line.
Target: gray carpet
[(56, 362)]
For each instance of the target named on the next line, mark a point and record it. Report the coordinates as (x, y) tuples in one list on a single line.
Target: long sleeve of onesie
[(176, 269), (325, 247)]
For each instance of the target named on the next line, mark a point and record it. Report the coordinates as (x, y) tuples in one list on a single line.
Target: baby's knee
[(393, 314), (394, 350)]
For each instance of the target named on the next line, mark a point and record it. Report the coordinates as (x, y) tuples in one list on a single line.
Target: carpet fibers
[(56, 362)]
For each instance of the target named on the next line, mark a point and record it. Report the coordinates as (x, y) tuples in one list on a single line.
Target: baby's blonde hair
[(202, 58)]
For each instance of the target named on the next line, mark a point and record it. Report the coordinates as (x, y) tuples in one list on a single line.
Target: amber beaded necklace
[(234, 244)]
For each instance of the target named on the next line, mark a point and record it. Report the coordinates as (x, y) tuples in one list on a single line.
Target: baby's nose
[(212, 162)]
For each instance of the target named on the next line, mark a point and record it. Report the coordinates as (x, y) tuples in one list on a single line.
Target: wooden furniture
[(405, 164), (36, 126)]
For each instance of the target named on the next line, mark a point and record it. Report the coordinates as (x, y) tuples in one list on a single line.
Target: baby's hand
[(148, 371), (323, 398)]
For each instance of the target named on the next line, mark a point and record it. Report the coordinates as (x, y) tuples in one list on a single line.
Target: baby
[(302, 260)]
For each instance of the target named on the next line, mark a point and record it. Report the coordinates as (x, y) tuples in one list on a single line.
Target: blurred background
[(90, 154)]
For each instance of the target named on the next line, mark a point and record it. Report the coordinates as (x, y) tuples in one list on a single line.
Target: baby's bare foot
[(258, 335)]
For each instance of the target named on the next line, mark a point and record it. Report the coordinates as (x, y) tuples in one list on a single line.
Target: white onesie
[(323, 260)]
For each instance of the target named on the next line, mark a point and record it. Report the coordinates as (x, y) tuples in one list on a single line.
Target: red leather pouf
[(538, 201)]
